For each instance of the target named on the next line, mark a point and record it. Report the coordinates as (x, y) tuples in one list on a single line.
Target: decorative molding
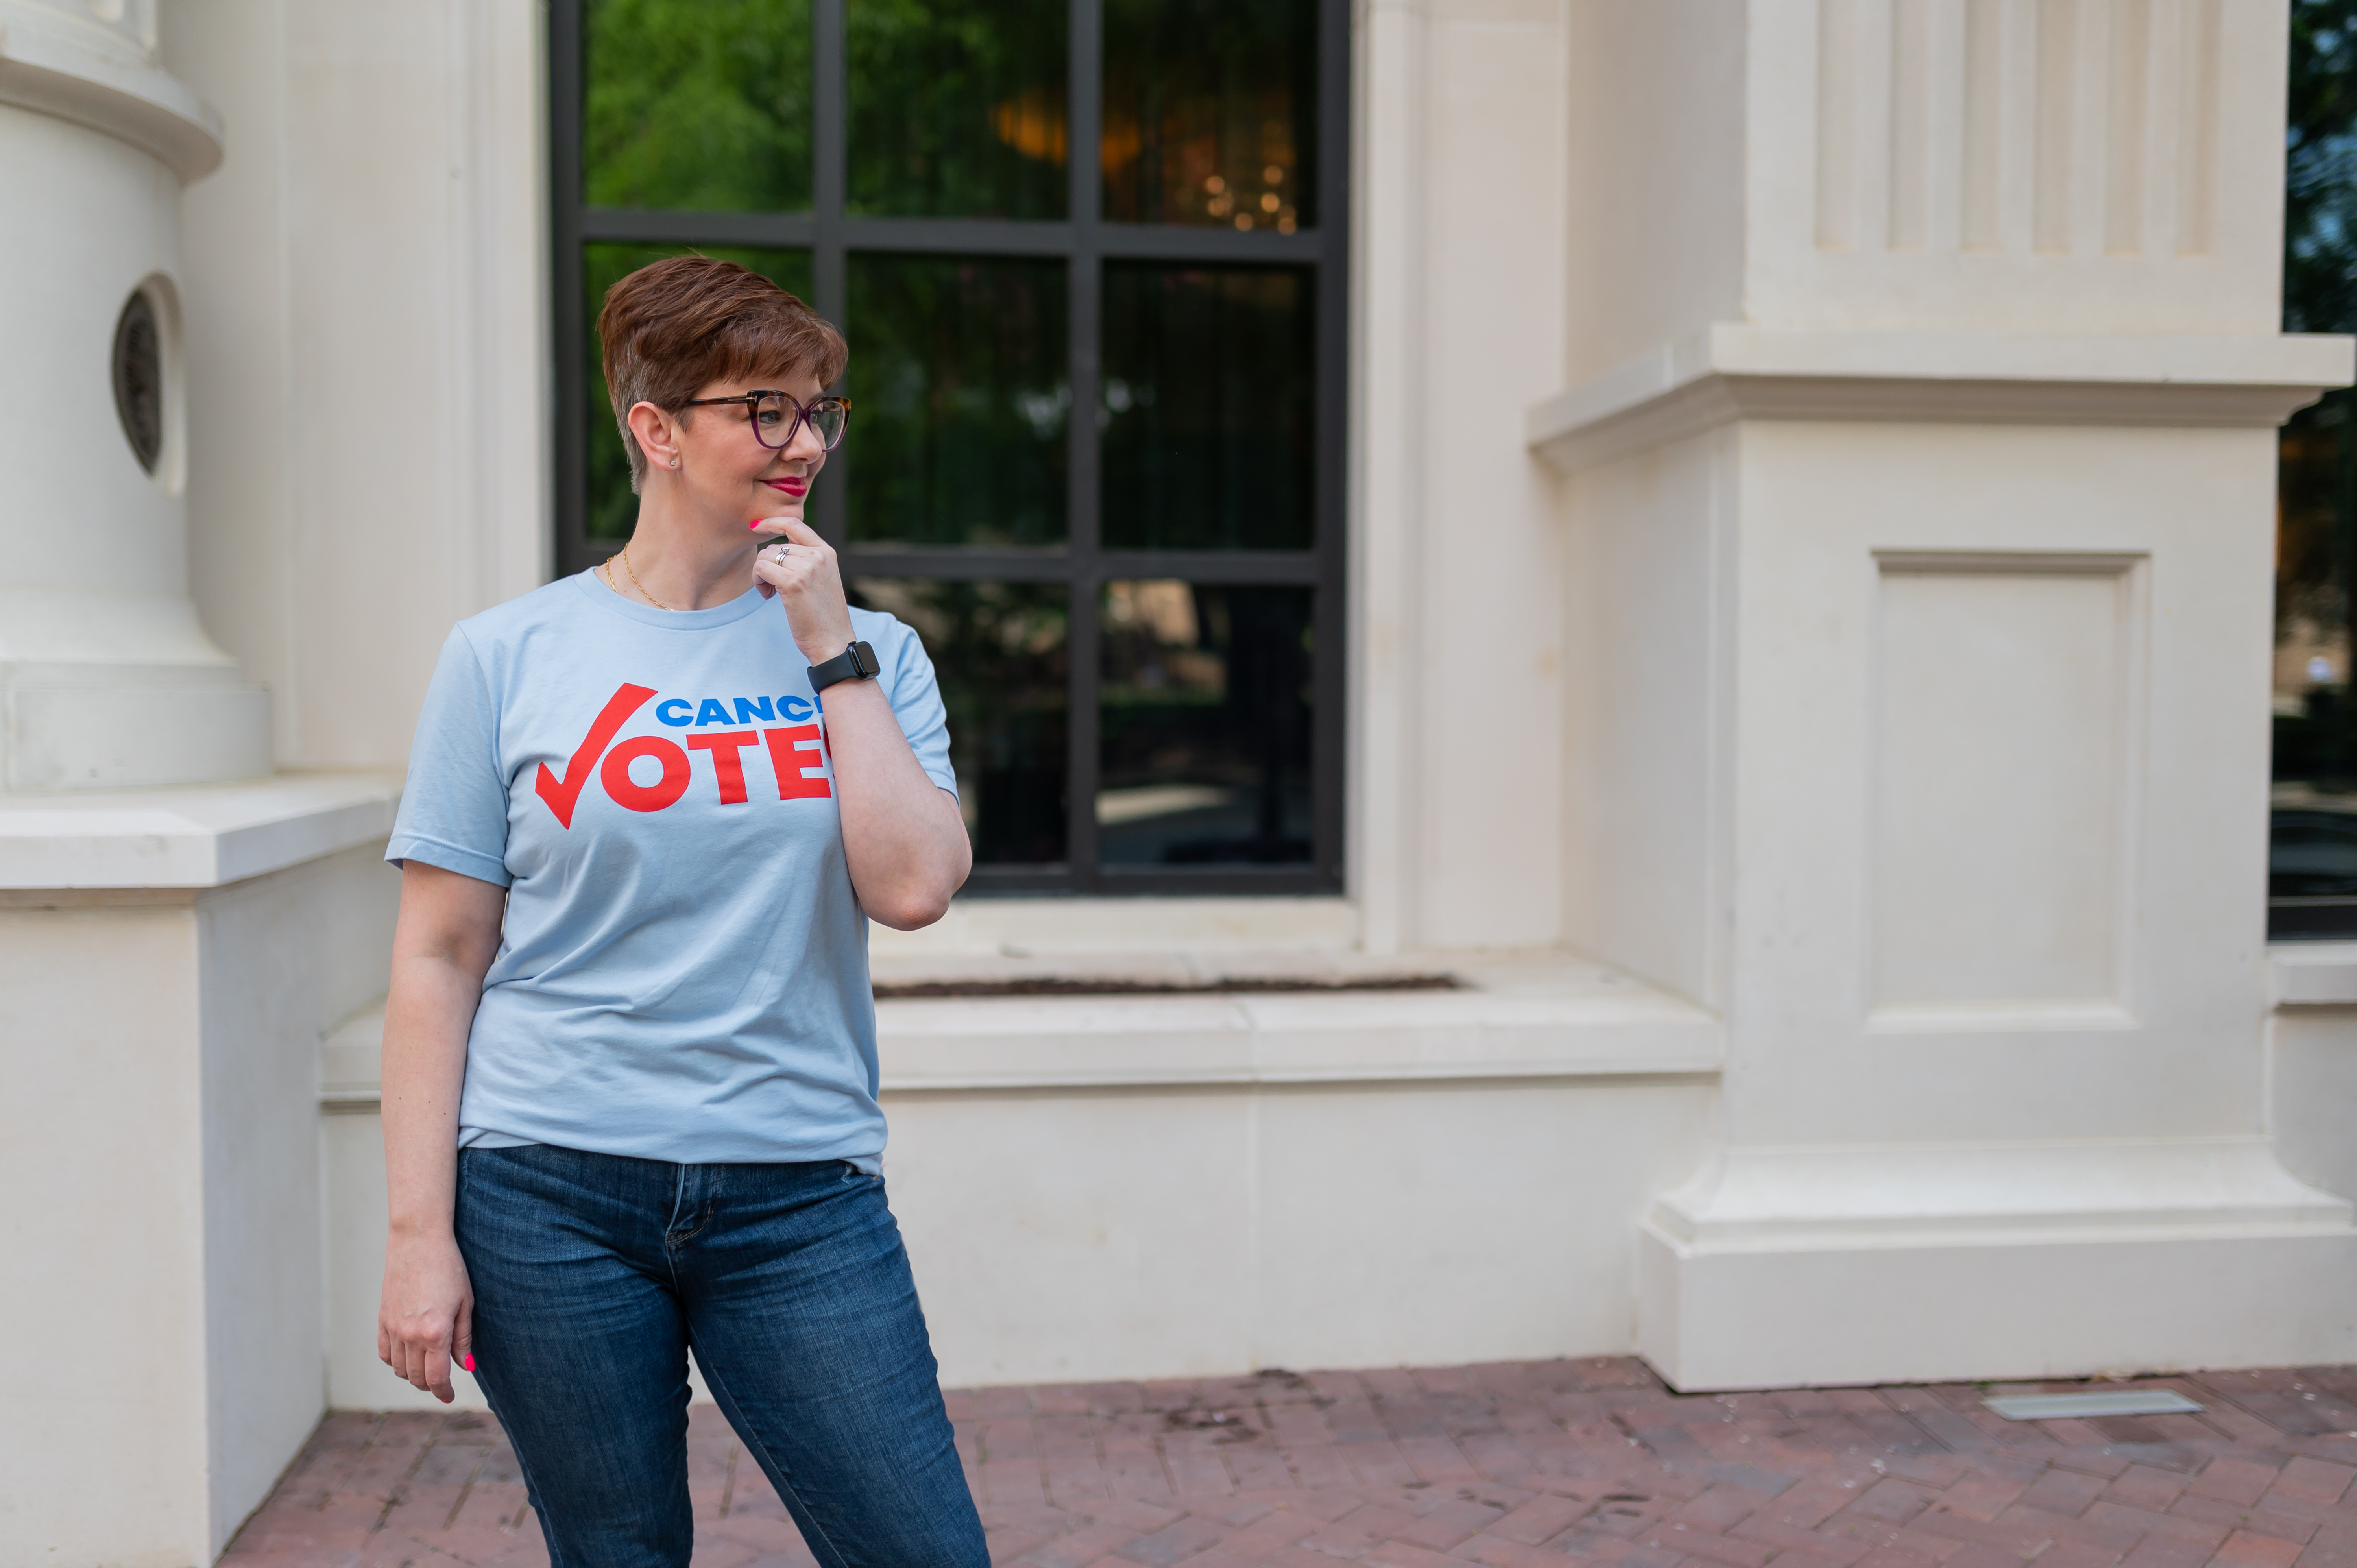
[(1729, 372), (2031, 1260), (1754, 1201), (2066, 127), (99, 77)]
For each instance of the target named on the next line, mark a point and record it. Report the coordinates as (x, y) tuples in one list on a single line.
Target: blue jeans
[(594, 1275)]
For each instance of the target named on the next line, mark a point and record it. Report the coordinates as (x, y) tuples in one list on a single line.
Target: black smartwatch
[(856, 663)]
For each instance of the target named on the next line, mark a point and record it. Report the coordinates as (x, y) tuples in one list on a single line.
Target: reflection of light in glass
[(1033, 125), (1044, 413), (2319, 670), (1243, 220), (1140, 802), (1166, 604), (1285, 222), (1268, 202), (1215, 185), (1118, 143), (1273, 175)]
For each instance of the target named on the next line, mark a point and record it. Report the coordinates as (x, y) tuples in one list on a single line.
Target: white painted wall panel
[(1487, 549), (2312, 1084), (2003, 695), (367, 283), (1433, 1226), (102, 1317), (1642, 879)]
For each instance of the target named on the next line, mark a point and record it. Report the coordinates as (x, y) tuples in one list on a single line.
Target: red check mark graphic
[(561, 793)]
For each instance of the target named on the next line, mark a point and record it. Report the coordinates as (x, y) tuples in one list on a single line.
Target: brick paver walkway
[(1513, 1465)]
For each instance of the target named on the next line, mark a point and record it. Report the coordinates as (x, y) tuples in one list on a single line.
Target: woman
[(630, 1052)]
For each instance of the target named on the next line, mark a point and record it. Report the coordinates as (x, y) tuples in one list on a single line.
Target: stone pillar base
[(1789, 1267), (169, 959)]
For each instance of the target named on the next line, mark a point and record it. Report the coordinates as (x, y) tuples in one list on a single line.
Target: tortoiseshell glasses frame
[(765, 409)]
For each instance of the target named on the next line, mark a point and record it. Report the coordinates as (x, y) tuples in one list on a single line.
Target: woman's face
[(729, 474)]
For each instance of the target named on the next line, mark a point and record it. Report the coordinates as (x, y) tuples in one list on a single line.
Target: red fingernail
[(755, 525), (468, 1363)]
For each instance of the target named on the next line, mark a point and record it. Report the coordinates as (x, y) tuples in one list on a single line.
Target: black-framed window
[(2312, 859), (1137, 611)]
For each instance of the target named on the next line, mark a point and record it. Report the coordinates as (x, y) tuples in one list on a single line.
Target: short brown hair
[(678, 325)]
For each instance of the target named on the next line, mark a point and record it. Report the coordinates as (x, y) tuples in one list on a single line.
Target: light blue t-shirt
[(683, 968)]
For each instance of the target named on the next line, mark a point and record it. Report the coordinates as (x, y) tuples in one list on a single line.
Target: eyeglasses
[(775, 411)]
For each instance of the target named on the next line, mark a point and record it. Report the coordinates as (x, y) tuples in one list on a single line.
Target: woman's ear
[(657, 433)]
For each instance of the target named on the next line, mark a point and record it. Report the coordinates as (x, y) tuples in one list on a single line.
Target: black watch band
[(856, 663)]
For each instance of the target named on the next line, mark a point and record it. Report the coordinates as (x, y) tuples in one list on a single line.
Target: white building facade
[(1802, 622)]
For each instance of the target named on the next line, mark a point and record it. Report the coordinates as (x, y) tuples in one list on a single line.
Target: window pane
[(2314, 856), (1208, 408), (613, 510), (957, 108), (999, 651), (1211, 113), (2312, 869), (958, 401), (1204, 715), (697, 105)]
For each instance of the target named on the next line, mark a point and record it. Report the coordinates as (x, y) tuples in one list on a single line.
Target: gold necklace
[(641, 587)]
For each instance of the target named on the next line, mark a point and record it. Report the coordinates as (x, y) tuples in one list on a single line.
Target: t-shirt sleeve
[(454, 811), (917, 704)]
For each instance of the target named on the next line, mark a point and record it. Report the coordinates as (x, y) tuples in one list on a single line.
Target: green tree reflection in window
[(697, 105), (957, 108)]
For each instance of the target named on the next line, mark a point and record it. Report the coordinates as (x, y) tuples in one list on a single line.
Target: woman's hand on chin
[(801, 570)]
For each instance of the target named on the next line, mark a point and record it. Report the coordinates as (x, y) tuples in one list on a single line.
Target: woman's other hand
[(808, 580), (442, 946), (426, 1321)]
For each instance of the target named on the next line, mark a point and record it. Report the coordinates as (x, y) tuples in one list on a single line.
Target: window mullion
[(1084, 100), (571, 353), (830, 95), (1330, 609)]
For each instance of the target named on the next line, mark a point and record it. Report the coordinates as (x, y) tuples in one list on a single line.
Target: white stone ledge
[(1527, 1016), (1731, 372), (2312, 974), (1113, 1042), (194, 836)]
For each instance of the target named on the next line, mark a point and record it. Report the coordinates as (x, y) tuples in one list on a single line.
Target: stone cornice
[(93, 77), (1729, 372)]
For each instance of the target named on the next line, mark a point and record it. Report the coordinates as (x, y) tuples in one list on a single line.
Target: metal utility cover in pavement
[(2128, 1401)]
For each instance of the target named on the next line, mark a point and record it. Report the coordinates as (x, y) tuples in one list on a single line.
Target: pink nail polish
[(468, 1363)]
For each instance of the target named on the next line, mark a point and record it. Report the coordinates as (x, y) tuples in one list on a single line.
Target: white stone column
[(1918, 430), (107, 678), (177, 931)]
